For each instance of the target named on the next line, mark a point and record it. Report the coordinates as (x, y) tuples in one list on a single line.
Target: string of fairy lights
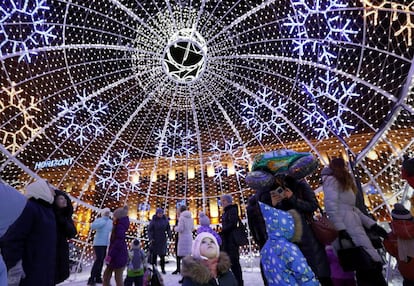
[(161, 104)]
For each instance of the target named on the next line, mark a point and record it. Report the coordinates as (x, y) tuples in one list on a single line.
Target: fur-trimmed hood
[(199, 273)]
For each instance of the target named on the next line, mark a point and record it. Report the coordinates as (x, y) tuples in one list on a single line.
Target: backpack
[(152, 277)]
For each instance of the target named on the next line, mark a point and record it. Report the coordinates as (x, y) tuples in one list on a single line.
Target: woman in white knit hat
[(102, 227)]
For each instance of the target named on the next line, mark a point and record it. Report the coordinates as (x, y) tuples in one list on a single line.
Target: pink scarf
[(212, 266)]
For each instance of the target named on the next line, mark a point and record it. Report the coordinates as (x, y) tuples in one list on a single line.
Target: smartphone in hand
[(277, 195)]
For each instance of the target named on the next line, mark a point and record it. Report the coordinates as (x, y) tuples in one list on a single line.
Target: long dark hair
[(337, 165)]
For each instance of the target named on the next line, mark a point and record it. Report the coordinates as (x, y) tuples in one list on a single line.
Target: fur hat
[(195, 252), (40, 189), (121, 212), (159, 210), (203, 219), (400, 212), (106, 212)]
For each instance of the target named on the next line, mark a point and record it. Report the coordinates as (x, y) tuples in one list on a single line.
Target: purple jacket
[(118, 251)]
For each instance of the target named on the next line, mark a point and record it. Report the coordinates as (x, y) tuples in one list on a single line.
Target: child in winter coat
[(283, 262), (339, 276), (207, 266), (400, 242), (205, 226), (136, 265)]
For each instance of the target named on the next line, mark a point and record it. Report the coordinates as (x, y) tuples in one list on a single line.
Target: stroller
[(75, 264)]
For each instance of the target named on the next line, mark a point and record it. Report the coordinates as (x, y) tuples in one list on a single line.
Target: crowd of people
[(278, 213)]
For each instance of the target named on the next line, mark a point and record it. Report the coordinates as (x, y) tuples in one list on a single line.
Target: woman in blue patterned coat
[(282, 260)]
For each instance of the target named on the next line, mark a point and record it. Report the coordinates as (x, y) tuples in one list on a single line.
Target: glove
[(343, 234), (107, 259), (379, 230), (15, 274)]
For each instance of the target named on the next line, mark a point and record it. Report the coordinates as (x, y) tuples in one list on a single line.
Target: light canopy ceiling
[(112, 100)]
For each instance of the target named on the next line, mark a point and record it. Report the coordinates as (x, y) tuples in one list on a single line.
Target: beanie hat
[(105, 212), (159, 210), (195, 252), (400, 212), (203, 219), (40, 189), (121, 212)]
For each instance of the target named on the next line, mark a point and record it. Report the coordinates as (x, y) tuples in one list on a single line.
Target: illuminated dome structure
[(159, 103)]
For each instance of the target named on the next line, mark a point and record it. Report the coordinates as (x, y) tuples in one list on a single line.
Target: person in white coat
[(339, 196), (184, 228)]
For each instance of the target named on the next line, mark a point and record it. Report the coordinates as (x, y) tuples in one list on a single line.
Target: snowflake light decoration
[(232, 152), (330, 28), (22, 27), (116, 174), (372, 10), (20, 118), (253, 109), (335, 91), (84, 120), (175, 143)]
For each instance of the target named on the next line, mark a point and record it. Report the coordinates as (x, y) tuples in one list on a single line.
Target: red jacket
[(402, 229)]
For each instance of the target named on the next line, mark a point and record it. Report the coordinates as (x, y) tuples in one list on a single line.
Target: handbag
[(354, 258), (323, 228), (240, 234)]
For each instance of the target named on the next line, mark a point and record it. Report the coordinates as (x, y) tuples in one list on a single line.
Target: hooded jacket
[(283, 262), (195, 273)]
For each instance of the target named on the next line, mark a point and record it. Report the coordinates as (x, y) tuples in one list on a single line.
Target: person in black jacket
[(257, 227), (297, 194), (31, 240), (66, 229), (229, 221)]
